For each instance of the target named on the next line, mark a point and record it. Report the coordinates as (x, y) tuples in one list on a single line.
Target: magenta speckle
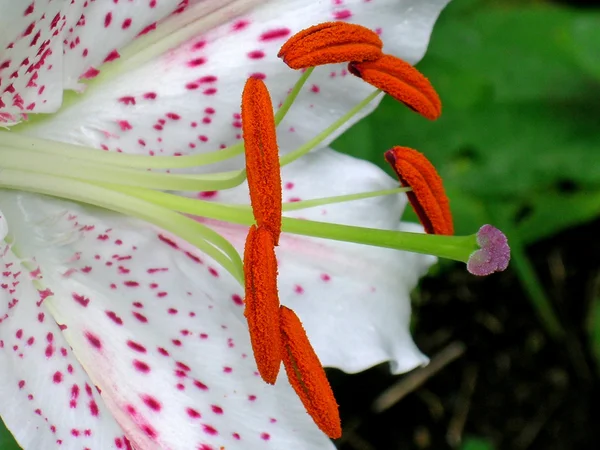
[(141, 366), (209, 430), (193, 413), (277, 33), (93, 340), (342, 15), (151, 402), (137, 347)]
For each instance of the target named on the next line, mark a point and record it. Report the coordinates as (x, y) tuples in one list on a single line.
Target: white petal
[(353, 299), (31, 56), (188, 100), (104, 27), (48, 45), (159, 330), (46, 398)]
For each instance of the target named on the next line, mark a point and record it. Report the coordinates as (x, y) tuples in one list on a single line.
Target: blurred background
[(515, 356)]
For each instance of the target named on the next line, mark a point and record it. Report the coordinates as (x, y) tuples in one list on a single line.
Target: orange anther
[(330, 43), (262, 301), (262, 156), (428, 197), (402, 81), (307, 376)]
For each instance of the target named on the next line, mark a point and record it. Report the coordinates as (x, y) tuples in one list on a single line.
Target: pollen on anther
[(427, 195), (262, 156), (306, 375), (262, 301), (401, 81), (330, 43)]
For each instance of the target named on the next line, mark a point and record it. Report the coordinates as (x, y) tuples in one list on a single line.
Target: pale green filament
[(289, 100), (88, 171), (303, 204), (201, 236), (123, 183), (458, 248), (10, 140), (304, 149)]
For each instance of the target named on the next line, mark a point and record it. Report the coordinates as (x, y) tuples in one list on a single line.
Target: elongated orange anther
[(402, 81), (329, 43), (428, 197), (307, 376), (262, 302), (262, 156)]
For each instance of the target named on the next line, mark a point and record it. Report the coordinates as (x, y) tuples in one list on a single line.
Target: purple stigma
[(494, 254)]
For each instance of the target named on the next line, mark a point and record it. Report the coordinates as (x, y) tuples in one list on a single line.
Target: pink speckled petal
[(103, 28), (31, 57), (46, 398), (160, 329), (188, 100), (47, 46), (353, 299)]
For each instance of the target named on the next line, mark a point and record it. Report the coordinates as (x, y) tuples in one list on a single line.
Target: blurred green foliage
[(519, 137), (472, 443)]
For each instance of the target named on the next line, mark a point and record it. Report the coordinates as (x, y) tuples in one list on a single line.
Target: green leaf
[(585, 42), (7, 442), (473, 443)]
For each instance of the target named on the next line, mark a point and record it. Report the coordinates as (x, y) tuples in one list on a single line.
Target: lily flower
[(122, 315)]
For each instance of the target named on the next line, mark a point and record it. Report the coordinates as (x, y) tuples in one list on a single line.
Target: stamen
[(262, 301), (262, 156), (494, 254), (330, 43), (428, 197), (306, 375), (402, 81)]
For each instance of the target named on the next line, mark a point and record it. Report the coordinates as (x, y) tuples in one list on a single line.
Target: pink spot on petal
[(93, 340), (141, 366), (151, 402), (277, 33)]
